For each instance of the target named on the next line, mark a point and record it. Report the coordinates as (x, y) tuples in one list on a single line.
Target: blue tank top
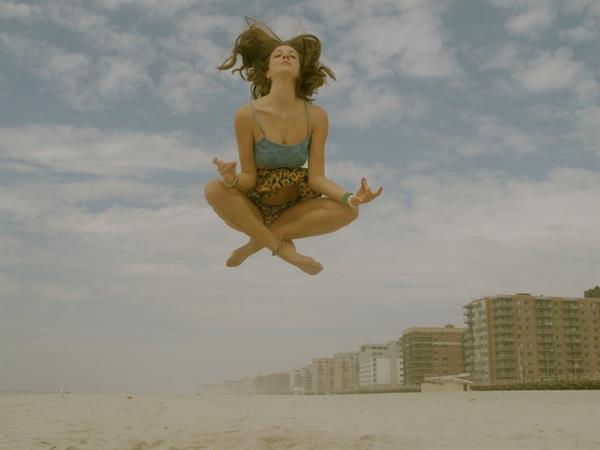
[(273, 156)]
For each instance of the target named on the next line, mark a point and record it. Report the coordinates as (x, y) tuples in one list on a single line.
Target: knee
[(214, 191), (352, 213)]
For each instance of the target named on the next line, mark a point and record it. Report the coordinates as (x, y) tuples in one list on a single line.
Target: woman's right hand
[(226, 169)]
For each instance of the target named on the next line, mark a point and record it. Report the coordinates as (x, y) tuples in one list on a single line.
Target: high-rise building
[(374, 365), (322, 370), (394, 352), (522, 338), (301, 380), (431, 352), (345, 372)]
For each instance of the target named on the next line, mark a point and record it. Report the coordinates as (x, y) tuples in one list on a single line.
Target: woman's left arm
[(316, 164), (316, 157)]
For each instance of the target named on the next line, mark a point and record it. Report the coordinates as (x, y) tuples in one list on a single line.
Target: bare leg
[(308, 218), (238, 211)]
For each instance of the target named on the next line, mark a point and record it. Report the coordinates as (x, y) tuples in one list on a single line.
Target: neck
[(282, 95)]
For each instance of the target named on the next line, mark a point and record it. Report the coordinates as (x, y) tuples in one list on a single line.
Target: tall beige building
[(521, 338), (374, 363), (345, 372), (322, 371), (301, 380), (394, 350), (431, 352)]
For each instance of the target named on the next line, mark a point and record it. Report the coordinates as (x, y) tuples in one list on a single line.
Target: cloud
[(533, 71), (367, 105), (383, 39), (100, 152), (550, 71), (86, 84), (185, 89), (20, 11), (589, 29), (494, 136), (537, 17)]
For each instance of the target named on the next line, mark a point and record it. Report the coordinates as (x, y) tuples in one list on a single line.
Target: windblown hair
[(255, 46)]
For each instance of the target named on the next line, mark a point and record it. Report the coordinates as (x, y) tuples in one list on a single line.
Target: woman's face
[(284, 60)]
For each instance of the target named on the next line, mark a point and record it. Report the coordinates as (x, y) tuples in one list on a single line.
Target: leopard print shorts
[(270, 181)]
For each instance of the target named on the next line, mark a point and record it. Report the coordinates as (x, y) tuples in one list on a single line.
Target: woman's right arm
[(245, 141)]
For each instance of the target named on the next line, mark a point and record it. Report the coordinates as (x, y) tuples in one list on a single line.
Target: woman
[(274, 199)]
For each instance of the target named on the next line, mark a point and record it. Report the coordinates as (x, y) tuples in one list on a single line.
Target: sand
[(460, 420)]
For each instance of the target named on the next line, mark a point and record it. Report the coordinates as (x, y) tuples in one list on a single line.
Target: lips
[(286, 62)]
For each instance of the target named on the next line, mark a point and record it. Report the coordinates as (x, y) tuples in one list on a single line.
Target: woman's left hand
[(365, 194)]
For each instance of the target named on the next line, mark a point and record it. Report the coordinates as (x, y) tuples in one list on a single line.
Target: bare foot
[(305, 263), (240, 254)]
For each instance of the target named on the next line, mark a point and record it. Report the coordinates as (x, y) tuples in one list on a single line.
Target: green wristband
[(345, 198)]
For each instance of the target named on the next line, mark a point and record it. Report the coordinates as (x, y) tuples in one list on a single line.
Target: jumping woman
[(274, 199)]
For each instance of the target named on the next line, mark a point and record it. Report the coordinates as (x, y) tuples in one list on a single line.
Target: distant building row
[(508, 338)]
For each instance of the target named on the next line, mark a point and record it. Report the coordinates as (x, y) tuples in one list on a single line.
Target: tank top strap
[(255, 118), (307, 116)]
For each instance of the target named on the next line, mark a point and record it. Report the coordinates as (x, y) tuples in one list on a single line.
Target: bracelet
[(234, 182), (350, 201), (346, 199)]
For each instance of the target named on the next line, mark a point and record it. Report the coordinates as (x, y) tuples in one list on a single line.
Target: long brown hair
[(255, 46)]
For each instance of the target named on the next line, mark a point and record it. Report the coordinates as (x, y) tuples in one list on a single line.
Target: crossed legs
[(308, 218)]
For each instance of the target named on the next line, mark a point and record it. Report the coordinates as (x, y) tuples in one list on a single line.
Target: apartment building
[(345, 372), (394, 352), (431, 352), (301, 380), (523, 338), (322, 371), (275, 383), (374, 365)]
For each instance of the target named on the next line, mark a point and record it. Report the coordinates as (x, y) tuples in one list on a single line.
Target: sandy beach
[(477, 420)]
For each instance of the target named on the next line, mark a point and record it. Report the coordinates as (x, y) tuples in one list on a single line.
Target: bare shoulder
[(318, 114), (243, 111)]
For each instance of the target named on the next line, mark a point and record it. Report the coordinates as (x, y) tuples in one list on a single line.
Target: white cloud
[(388, 38), (528, 17), (367, 105), (84, 83), (589, 29), (492, 135), (536, 72), (550, 71), (95, 151), (185, 89), (11, 10), (151, 11), (537, 17)]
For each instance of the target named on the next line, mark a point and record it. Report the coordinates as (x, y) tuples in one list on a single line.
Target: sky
[(481, 120)]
